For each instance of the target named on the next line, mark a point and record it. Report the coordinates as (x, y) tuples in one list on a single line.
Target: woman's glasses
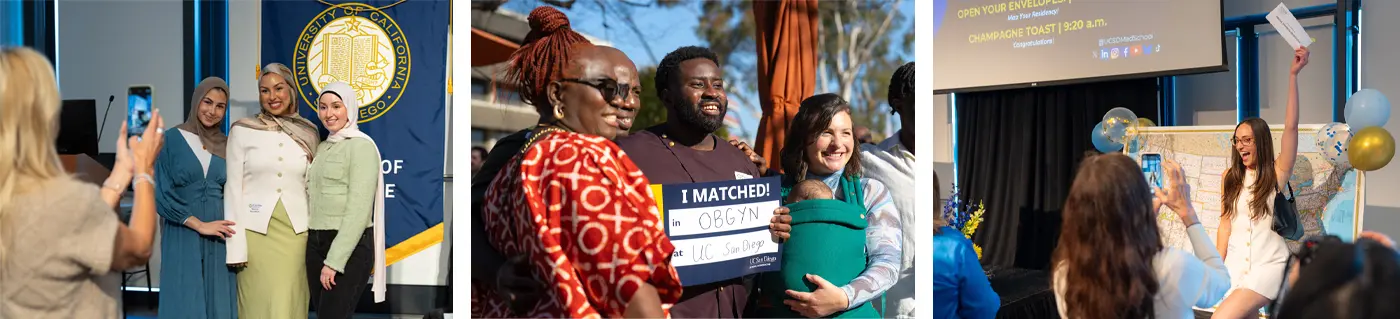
[(610, 89), (1243, 141)]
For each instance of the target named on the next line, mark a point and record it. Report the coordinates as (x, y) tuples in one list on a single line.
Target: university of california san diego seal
[(357, 44)]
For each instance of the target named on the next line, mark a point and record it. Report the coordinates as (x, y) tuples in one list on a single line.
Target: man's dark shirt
[(665, 163), (486, 261)]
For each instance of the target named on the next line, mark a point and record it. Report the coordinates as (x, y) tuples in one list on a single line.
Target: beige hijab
[(299, 128), (212, 137)]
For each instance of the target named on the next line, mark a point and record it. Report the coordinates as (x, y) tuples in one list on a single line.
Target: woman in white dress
[(1254, 253)]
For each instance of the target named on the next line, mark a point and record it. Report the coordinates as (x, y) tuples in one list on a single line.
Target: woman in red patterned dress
[(572, 203)]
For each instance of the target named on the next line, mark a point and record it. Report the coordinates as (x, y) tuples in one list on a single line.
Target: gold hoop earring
[(558, 112)]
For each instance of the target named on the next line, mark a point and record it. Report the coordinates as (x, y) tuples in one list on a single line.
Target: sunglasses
[(610, 89)]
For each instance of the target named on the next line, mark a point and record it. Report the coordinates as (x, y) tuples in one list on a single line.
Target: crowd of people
[(1110, 261), (259, 223), (563, 217), (272, 218)]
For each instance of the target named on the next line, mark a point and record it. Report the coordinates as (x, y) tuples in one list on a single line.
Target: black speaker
[(77, 128)]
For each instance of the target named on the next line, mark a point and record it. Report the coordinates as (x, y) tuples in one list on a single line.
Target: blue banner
[(720, 229), (394, 53)]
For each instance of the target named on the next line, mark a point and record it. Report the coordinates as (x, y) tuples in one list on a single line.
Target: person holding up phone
[(1255, 254), (195, 281), (60, 238), (1110, 261), (266, 196)]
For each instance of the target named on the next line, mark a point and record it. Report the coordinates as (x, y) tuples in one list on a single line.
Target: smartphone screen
[(138, 109), (1152, 169)]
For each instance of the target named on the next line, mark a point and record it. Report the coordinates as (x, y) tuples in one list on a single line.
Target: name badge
[(255, 208)]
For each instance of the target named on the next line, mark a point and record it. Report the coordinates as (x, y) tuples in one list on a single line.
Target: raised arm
[(1214, 279), (1203, 285), (237, 245), (120, 178), (1288, 152), (133, 242)]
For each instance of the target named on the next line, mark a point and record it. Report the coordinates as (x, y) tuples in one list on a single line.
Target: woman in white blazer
[(266, 197)]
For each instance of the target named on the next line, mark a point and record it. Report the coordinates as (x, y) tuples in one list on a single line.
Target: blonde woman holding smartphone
[(60, 238)]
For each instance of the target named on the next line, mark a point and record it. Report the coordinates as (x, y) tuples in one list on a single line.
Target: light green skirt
[(273, 285)]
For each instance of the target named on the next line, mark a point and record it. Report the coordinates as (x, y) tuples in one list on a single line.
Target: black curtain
[(40, 28), (1017, 154)]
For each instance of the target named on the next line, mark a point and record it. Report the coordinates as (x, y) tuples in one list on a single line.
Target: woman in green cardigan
[(346, 244)]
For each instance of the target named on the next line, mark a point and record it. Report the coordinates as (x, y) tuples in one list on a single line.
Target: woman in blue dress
[(190, 174)]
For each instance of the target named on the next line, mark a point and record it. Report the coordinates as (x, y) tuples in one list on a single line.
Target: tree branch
[(646, 43), (566, 4), (630, 3), (884, 27)]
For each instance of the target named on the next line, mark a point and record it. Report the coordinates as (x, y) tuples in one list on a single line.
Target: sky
[(666, 30)]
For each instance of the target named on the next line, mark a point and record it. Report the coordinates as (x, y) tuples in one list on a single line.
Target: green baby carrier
[(828, 240)]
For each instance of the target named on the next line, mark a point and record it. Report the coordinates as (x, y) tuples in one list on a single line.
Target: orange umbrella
[(787, 67)]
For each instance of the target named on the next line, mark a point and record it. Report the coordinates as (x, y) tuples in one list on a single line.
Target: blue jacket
[(960, 288)]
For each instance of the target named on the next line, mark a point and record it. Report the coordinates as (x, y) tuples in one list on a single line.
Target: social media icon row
[(1128, 51)]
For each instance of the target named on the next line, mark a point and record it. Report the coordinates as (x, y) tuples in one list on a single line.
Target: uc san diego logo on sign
[(357, 44)]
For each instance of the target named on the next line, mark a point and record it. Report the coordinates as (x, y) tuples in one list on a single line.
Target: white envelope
[(1288, 27)]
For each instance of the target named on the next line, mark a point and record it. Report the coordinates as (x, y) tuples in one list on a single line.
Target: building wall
[(103, 49)]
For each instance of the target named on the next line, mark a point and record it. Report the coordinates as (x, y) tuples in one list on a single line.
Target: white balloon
[(1332, 142)]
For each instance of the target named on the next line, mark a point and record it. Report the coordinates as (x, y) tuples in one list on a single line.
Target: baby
[(828, 241), (809, 189)]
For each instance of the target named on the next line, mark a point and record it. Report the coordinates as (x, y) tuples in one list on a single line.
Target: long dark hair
[(1264, 184), (1108, 240), (813, 117)]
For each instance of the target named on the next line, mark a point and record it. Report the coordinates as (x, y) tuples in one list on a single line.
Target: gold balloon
[(1134, 130), (1371, 148)]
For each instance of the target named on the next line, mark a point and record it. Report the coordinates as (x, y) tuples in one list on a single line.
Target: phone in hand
[(1152, 169), (138, 109)]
